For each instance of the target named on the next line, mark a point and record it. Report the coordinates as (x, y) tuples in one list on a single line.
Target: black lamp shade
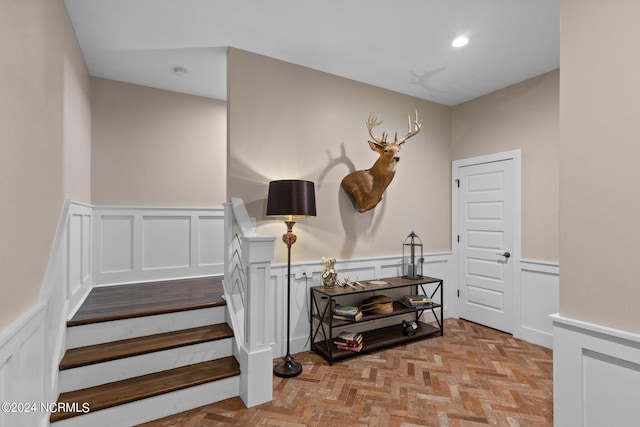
[(291, 197)]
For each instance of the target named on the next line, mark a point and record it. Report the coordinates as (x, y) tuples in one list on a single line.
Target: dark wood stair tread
[(133, 389), (98, 353), (106, 303)]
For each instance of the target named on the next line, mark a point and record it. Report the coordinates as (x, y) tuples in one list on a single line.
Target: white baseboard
[(596, 373)]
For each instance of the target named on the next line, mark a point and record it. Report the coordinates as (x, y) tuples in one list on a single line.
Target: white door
[(485, 230)]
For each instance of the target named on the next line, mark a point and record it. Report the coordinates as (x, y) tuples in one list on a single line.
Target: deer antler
[(372, 122), (411, 133)]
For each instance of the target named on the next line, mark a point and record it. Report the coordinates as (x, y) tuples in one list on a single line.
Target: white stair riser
[(157, 407), (129, 367), (115, 330)]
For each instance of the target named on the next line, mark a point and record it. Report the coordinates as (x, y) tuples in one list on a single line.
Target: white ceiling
[(401, 45)]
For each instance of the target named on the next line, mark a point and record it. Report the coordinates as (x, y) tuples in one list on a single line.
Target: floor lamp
[(291, 199)]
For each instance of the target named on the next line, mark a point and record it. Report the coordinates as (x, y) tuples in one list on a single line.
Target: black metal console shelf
[(322, 323)]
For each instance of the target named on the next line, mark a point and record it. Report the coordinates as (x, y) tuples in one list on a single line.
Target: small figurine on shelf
[(329, 275)]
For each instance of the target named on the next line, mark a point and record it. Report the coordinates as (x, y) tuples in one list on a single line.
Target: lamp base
[(287, 368)]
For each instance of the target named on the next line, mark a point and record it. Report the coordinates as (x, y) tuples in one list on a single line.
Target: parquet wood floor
[(472, 376)]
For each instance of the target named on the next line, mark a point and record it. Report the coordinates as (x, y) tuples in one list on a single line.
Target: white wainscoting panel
[(79, 247), (116, 243), (166, 242), (596, 373), (307, 275), (134, 244), (75, 252), (614, 381), (536, 297), (97, 245), (210, 251), (31, 347), (23, 362)]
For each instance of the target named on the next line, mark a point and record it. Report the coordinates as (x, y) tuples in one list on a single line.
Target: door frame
[(516, 252)]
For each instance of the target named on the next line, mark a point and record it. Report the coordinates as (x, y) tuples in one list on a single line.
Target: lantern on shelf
[(412, 257)]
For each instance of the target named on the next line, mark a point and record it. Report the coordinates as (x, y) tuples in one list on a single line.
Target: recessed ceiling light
[(180, 71), (460, 41)]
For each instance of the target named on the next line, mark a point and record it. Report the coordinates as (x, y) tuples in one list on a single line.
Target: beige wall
[(599, 153), (287, 121), (523, 116), (290, 122), (156, 148), (43, 107), (76, 111)]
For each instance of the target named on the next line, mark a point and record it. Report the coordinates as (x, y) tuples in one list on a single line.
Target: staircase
[(140, 352)]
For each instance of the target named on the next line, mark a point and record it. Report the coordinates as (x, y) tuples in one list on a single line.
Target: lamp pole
[(290, 198), (288, 367)]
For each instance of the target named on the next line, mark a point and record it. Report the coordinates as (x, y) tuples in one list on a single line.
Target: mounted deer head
[(367, 186)]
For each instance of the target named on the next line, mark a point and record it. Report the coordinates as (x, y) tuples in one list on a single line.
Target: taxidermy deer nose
[(397, 159)]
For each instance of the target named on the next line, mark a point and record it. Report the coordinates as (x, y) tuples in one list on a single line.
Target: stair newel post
[(256, 379), (228, 237)]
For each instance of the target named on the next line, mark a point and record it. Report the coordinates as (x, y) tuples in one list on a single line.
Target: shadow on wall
[(256, 183), (359, 228), (356, 225)]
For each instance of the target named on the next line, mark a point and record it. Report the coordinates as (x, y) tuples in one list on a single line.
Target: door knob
[(504, 254)]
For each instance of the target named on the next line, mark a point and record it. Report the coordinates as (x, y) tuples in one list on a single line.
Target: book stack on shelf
[(417, 301), (350, 341), (345, 312)]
